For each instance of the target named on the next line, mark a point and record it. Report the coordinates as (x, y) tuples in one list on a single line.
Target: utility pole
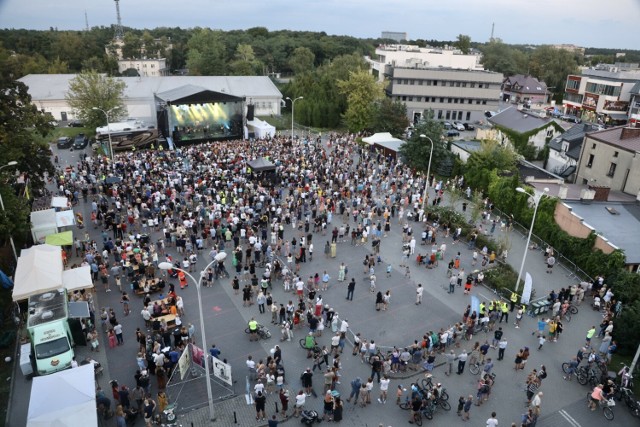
[(119, 31)]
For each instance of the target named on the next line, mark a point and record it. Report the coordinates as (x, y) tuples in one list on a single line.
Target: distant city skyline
[(586, 23)]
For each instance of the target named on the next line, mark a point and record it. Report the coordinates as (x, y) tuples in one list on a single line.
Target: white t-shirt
[(258, 387), (492, 422), (384, 384), (300, 399)]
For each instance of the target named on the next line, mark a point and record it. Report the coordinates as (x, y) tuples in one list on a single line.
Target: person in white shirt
[(259, 387), (384, 386), (74, 363), (419, 291), (493, 421)]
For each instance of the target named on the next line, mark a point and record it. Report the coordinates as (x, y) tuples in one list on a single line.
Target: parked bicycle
[(262, 332), (605, 404)]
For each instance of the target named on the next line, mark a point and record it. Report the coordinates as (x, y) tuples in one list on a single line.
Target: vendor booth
[(259, 129)]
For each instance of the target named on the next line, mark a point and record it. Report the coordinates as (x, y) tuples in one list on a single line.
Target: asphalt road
[(404, 321)]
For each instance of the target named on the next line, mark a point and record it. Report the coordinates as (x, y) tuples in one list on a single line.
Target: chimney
[(629, 132)]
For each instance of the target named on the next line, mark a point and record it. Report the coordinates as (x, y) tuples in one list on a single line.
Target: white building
[(144, 67), (401, 55), (48, 92)]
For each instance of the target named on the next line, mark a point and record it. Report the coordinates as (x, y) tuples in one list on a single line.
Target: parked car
[(75, 123), (458, 126), (64, 142), (80, 142), (570, 118), (469, 126), (447, 125), (452, 132)]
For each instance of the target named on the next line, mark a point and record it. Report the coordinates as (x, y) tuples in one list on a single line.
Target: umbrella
[(113, 180), (221, 256)]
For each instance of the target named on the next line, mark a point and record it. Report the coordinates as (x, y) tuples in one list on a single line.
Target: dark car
[(80, 142), (447, 125), (469, 126), (75, 123), (570, 118), (452, 132), (64, 142)]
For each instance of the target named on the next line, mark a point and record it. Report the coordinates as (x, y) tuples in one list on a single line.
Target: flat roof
[(621, 229)]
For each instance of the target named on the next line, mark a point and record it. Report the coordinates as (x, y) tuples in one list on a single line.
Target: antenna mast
[(86, 20), (119, 32), (493, 27)]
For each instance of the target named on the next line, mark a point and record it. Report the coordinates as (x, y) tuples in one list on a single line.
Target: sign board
[(184, 363), (222, 370)]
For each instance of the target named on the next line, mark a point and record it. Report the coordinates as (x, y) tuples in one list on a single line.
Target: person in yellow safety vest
[(514, 301), (482, 307), (253, 330), (491, 306), (505, 313)]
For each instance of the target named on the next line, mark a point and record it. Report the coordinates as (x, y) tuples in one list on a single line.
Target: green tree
[(362, 91), (244, 63), (389, 116), (132, 47), (552, 66), (302, 60), (463, 42), (207, 56), (90, 89), (22, 131), (416, 150), (501, 58), (492, 158)]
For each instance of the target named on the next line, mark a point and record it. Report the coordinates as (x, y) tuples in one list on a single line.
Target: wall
[(604, 155), (575, 226), (557, 163)]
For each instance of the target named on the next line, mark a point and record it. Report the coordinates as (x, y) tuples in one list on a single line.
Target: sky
[(586, 23)]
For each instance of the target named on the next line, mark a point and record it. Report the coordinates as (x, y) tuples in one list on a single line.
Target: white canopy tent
[(43, 223), (260, 128), (40, 270), (59, 202), (64, 399), (65, 218)]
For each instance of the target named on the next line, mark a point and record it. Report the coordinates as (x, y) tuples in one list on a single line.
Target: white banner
[(526, 291), (222, 370), (184, 363)]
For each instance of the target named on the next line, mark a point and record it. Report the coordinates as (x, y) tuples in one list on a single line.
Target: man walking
[(462, 360), (419, 291), (502, 345)]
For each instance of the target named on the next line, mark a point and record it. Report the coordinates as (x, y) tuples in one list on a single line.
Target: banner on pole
[(526, 291)]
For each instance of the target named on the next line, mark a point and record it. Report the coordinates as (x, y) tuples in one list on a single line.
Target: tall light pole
[(293, 105), (426, 187), (106, 114), (207, 368), (536, 196), (13, 245)]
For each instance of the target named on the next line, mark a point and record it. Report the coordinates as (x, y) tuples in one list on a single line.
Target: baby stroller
[(172, 272), (309, 417)]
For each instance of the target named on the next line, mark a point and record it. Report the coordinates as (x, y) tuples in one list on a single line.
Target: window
[(484, 102), (470, 101), (450, 84), (419, 82), (428, 82), (412, 82), (455, 100), (410, 98), (477, 102), (450, 100), (615, 154), (479, 85), (404, 98), (448, 115), (433, 99), (468, 116), (549, 133), (573, 84), (442, 100), (593, 145), (612, 170), (602, 89), (472, 85), (459, 115), (439, 114), (590, 162), (435, 83), (464, 84)]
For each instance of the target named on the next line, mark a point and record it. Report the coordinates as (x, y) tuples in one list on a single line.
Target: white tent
[(59, 202), (260, 128), (43, 223), (40, 270), (64, 399), (65, 218)]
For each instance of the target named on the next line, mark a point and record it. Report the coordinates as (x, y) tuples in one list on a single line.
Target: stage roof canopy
[(192, 94), (261, 164)]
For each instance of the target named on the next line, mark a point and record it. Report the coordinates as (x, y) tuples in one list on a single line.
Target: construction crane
[(119, 32)]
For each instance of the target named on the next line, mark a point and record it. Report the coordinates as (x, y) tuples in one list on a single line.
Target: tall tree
[(362, 91), (389, 116), (207, 56), (132, 47), (501, 58), (552, 66), (492, 158), (302, 60), (416, 150), (90, 89), (244, 62), (22, 131), (463, 42)]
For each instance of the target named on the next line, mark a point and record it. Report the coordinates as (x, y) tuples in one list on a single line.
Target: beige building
[(452, 94), (611, 158)]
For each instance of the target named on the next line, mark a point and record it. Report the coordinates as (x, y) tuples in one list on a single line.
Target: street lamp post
[(13, 245), (426, 187), (106, 114), (293, 105), (536, 196), (207, 368)]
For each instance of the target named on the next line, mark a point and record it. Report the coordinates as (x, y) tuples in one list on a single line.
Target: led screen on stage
[(205, 121)]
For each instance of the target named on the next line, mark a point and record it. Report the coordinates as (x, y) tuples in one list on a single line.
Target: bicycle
[(262, 332), (474, 367), (314, 349), (606, 405)]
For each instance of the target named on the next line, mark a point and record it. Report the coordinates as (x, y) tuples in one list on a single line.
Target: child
[(399, 393), (388, 270), (407, 272), (541, 341)]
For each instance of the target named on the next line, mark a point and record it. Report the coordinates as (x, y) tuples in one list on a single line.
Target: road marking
[(569, 418), (216, 308)]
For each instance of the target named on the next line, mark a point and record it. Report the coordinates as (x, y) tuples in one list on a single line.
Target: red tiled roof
[(624, 137)]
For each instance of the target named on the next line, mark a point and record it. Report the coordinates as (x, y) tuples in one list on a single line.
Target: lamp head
[(520, 190), (546, 189), (422, 135), (94, 108), (12, 163), (165, 265)]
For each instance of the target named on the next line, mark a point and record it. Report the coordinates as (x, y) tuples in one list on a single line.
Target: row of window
[(602, 89), (449, 83), (573, 84), (453, 115), (573, 97), (442, 100)]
